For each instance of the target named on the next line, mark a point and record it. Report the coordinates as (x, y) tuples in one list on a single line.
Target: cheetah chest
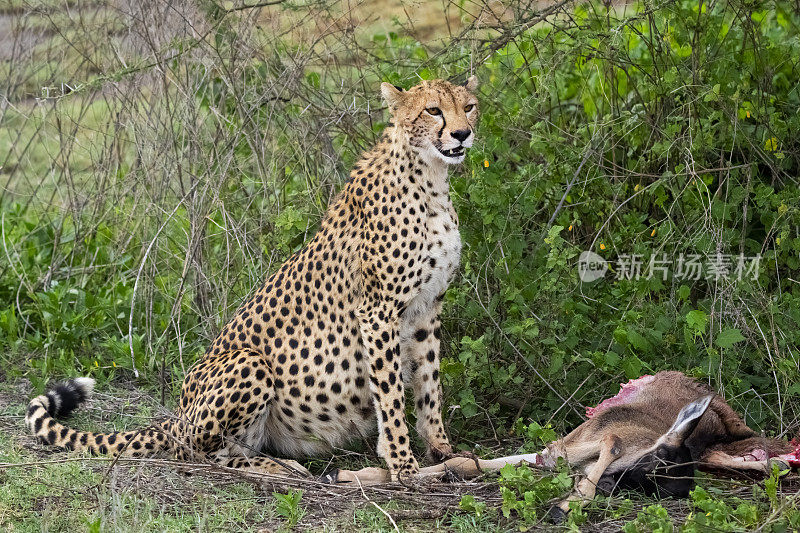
[(442, 253)]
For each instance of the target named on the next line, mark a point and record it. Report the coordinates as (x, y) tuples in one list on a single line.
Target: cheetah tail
[(63, 399)]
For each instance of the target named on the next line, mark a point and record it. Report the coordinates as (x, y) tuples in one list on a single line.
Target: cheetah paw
[(440, 452), (405, 472)]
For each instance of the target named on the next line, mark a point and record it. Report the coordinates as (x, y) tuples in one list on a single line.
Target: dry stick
[(253, 6), (589, 151), (419, 514), (567, 401), (771, 361), (378, 507), (139, 274)]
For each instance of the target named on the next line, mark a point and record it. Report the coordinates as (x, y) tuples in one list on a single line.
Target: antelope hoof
[(783, 466), (606, 485), (331, 477), (557, 514)]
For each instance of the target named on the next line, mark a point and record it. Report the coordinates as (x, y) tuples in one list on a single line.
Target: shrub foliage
[(186, 164)]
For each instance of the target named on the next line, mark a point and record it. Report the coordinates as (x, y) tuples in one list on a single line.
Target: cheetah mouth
[(452, 152)]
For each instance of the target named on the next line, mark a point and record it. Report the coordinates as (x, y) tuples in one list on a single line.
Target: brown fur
[(640, 427), (642, 421)]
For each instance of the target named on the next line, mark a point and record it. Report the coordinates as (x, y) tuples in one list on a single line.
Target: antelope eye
[(435, 111), (662, 452), (468, 108)]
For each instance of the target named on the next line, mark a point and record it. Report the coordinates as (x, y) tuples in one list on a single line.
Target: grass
[(64, 155), (87, 126), (426, 20), (49, 491), (60, 492), (43, 490)]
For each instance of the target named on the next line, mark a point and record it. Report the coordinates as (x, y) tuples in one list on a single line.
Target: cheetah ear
[(472, 83), (392, 94)]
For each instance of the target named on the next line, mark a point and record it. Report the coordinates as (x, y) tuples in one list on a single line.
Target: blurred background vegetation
[(159, 159)]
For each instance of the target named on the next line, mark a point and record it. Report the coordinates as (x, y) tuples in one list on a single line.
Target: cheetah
[(320, 355)]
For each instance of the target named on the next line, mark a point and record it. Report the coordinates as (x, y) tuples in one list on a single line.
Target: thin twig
[(139, 274)]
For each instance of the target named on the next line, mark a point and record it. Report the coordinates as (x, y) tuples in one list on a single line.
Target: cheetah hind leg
[(265, 465), (219, 420)]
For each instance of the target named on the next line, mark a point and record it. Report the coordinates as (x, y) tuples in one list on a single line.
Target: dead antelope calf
[(648, 437)]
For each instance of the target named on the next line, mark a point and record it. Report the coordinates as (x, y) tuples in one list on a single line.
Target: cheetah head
[(438, 117)]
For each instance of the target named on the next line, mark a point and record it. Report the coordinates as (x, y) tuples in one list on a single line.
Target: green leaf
[(697, 321), (729, 337), (313, 79), (468, 406), (683, 292), (632, 366), (638, 341), (470, 504)]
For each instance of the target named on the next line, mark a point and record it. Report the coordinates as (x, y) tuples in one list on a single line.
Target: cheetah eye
[(435, 111), (468, 108)]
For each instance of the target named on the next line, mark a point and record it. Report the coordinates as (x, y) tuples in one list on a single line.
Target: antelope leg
[(718, 461), (465, 467), (585, 489)]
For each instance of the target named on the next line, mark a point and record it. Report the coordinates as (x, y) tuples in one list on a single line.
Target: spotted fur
[(321, 353)]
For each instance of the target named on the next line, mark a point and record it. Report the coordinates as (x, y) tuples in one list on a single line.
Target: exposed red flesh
[(793, 458), (756, 454), (627, 392)]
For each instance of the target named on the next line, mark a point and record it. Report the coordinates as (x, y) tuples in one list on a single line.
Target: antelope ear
[(472, 83), (687, 420), (392, 94)]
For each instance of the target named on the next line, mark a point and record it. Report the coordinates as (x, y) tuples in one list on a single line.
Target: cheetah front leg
[(380, 335), (419, 345)]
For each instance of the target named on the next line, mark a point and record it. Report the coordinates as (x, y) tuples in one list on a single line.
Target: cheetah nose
[(461, 135)]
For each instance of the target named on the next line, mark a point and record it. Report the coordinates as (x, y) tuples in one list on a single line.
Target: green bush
[(659, 128), (667, 131)]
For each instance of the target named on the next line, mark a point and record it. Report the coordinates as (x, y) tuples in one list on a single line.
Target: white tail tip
[(86, 384)]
